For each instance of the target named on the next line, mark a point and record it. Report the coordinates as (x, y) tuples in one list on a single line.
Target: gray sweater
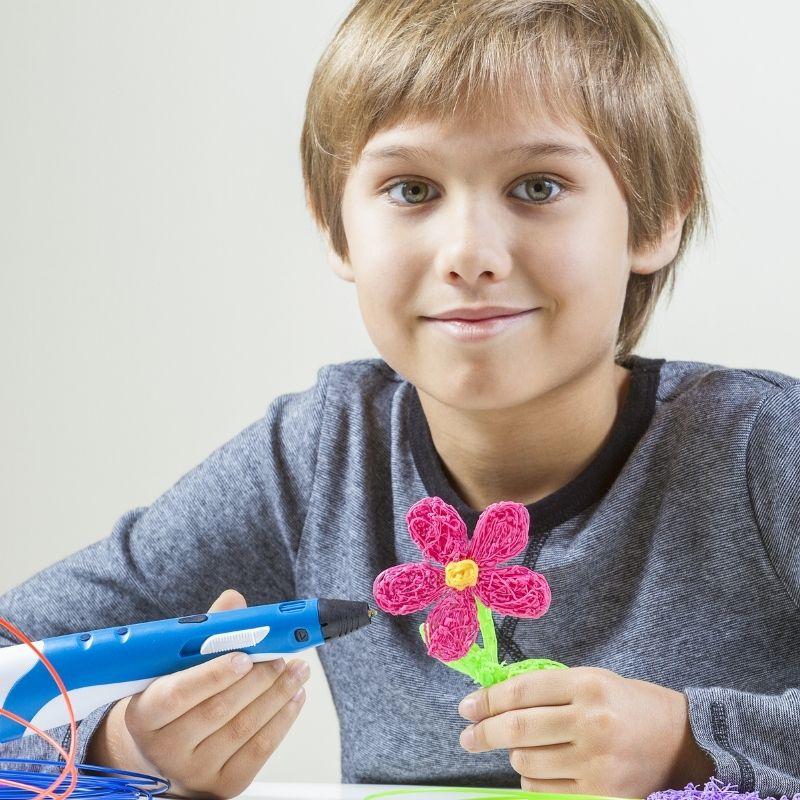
[(674, 557)]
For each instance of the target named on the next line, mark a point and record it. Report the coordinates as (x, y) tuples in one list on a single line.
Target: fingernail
[(468, 707), (298, 695), (241, 664), (300, 670), (468, 738), (277, 665)]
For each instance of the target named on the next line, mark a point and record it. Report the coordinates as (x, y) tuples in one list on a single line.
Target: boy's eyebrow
[(528, 150)]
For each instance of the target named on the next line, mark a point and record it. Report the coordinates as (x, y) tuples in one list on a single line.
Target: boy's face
[(544, 234)]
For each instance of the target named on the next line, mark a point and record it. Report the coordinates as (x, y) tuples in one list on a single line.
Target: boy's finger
[(221, 743), (227, 601), (547, 687), (217, 711), (171, 696), (252, 755), (527, 727), (166, 698)]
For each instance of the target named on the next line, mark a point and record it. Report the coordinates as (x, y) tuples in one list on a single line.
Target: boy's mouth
[(479, 324), (476, 313)]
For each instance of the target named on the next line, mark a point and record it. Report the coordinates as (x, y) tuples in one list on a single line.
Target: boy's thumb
[(228, 600)]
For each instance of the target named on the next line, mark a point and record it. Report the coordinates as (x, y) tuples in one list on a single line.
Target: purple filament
[(713, 790)]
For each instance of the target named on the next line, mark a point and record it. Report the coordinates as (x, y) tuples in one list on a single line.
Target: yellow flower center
[(460, 574)]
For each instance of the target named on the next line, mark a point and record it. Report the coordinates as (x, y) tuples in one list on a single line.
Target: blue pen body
[(100, 666)]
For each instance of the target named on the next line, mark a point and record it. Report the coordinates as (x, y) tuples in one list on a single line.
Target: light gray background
[(161, 280)]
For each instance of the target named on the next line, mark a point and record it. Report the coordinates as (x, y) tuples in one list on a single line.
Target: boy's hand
[(587, 730), (209, 728)]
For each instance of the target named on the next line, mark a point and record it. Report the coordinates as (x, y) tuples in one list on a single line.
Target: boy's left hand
[(587, 730)]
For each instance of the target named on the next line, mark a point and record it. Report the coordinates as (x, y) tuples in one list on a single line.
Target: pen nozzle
[(340, 617)]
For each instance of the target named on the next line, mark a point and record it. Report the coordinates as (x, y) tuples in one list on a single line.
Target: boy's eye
[(537, 189)]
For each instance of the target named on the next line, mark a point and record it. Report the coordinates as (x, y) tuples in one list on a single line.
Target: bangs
[(467, 61)]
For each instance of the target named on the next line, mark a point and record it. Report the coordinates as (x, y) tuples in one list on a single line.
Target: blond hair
[(606, 64)]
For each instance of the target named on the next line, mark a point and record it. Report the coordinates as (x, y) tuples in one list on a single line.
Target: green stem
[(481, 663), (488, 635)]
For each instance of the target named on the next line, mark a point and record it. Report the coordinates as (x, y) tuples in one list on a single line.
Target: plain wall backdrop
[(161, 280)]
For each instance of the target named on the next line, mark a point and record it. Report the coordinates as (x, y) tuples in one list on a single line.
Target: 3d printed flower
[(469, 574)]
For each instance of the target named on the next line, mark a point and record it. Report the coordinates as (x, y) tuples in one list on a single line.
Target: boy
[(509, 214)]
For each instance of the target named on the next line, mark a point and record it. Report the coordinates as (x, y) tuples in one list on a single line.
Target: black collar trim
[(582, 491)]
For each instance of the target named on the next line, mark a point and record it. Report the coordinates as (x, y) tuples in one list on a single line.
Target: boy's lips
[(472, 330), (479, 312)]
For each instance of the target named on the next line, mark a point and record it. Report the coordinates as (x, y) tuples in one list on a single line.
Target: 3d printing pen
[(101, 666)]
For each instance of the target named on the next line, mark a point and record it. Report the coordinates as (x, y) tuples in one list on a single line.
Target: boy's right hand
[(209, 728)]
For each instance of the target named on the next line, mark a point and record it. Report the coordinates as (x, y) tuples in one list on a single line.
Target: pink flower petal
[(438, 530), (406, 588), (501, 533), (452, 626), (515, 590)]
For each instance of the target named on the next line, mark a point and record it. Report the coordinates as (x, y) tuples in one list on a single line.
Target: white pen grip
[(88, 698), (84, 700), (16, 660)]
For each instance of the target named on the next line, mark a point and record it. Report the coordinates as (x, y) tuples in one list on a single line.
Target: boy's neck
[(527, 452)]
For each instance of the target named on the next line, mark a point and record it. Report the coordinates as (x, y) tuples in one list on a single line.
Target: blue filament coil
[(108, 784)]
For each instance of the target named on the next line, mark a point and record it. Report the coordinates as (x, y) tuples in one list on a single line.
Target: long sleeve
[(235, 521), (753, 737)]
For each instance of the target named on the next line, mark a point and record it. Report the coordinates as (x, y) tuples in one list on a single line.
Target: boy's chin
[(480, 389)]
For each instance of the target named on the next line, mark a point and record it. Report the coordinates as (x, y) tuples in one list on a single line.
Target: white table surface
[(359, 791)]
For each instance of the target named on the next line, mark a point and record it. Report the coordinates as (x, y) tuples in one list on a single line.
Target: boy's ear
[(341, 267), (657, 255)]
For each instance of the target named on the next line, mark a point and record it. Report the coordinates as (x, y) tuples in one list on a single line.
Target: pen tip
[(371, 613)]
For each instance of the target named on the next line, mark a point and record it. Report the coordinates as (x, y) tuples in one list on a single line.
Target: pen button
[(194, 618)]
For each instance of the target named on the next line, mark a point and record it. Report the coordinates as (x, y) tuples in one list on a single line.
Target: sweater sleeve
[(752, 738), (234, 521)]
